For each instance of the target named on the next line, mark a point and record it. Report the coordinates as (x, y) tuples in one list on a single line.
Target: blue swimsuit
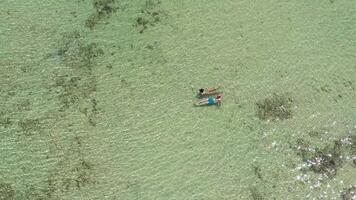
[(211, 100)]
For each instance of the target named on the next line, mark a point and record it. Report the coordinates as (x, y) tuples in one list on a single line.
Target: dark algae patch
[(326, 88), (103, 9), (257, 171), (78, 176), (263, 185), (72, 172), (91, 111), (73, 90), (316, 133), (349, 194), (5, 121), (70, 91), (75, 86), (76, 53), (338, 90), (78, 169), (151, 14), (276, 107), (87, 54), (6, 192), (255, 193), (304, 149), (322, 161), (327, 160), (30, 126)]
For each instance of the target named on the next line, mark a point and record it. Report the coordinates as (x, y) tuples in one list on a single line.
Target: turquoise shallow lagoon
[(96, 99)]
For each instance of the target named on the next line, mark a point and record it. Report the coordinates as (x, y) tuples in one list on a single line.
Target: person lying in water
[(210, 101), (208, 91)]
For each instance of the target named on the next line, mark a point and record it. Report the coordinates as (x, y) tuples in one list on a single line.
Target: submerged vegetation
[(76, 86), (70, 91), (150, 15), (255, 193), (103, 9), (5, 121), (76, 53), (349, 194), (275, 107), (30, 126), (72, 86), (6, 192), (74, 171), (327, 160)]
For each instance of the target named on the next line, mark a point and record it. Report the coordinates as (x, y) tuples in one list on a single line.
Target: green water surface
[(96, 98)]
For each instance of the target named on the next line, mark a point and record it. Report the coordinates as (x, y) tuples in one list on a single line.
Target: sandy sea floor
[(96, 99)]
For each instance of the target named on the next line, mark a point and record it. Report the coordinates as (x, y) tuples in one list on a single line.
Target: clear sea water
[(96, 99)]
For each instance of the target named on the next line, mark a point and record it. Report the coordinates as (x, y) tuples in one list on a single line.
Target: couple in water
[(214, 97)]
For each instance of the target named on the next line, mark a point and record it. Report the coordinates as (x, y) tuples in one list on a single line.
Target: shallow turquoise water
[(106, 112)]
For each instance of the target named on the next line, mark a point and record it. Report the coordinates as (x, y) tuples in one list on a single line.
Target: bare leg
[(203, 102), (213, 89)]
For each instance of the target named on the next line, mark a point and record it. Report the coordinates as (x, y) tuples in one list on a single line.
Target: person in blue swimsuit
[(210, 101)]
